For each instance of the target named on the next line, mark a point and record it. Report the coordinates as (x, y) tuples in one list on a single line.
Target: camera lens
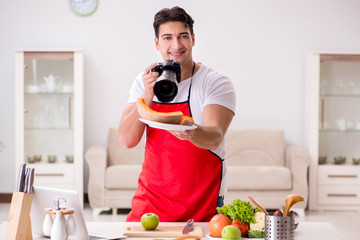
[(165, 87), (165, 90)]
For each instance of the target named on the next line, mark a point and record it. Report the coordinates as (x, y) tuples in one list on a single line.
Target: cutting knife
[(188, 227), (21, 178), (29, 180), (26, 180)]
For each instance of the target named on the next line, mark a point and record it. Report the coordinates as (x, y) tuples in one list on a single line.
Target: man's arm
[(130, 128), (216, 120)]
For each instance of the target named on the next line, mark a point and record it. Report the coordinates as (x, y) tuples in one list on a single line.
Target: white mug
[(67, 88), (32, 88)]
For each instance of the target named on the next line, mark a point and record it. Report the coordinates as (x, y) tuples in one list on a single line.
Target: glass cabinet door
[(339, 117), (48, 107)]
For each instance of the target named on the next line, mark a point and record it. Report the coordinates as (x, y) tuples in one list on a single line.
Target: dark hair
[(175, 14)]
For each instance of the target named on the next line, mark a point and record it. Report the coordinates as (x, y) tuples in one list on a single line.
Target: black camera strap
[(192, 74)]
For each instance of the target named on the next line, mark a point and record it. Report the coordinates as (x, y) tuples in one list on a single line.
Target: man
[(182, 172)]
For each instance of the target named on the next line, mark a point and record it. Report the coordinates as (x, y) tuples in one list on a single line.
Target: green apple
[(231, 232), (150, 221)]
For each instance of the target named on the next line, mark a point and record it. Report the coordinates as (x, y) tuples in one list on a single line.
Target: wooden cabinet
[(332, 130), (49, 116), (338, 185)]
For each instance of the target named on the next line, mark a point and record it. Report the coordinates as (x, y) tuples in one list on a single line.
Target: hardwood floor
[(348, 223)]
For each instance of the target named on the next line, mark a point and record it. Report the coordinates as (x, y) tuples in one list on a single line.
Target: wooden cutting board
[(160, 231)]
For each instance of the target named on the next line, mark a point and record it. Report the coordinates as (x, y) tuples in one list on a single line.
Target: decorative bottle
[(48, 222), (58, 230)]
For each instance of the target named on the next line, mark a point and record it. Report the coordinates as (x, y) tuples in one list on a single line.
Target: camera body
[(166, 88)]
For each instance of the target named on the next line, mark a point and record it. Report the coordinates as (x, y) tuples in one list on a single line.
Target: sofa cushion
[(255, 147), (258, 178), (120, 155), (122, 177)]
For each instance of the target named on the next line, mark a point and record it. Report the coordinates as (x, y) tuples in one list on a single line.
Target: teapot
[(52, 82), (341, 124)]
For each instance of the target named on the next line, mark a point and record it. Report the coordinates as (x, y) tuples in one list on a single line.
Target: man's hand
[(216, 120), (183, 135), (149, 79)]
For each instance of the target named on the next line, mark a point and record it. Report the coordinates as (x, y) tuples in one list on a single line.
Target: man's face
[(175, 42)]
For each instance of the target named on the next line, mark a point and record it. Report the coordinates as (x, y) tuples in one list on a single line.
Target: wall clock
[(84, 7)]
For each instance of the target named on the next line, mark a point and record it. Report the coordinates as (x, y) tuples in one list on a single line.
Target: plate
[(167, 126), (214, 238)]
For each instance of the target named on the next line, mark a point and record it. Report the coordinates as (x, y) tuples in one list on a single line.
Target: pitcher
[(52, 83)]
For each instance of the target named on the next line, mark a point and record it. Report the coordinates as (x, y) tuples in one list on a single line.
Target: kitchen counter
[(305, 230)]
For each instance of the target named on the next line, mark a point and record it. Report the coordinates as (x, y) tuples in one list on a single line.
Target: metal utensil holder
[(282, 228)]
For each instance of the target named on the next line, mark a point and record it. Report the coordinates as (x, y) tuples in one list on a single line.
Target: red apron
[(178, 181)]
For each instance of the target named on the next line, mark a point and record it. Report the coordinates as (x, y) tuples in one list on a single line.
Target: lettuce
[(238, 210), (256, 234)]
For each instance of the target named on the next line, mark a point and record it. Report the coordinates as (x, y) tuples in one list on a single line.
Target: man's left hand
[(183, 135)]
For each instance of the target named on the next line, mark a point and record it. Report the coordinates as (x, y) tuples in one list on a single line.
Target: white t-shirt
[(207, 87)]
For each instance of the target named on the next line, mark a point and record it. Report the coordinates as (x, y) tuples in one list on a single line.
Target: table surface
[(305, 230)]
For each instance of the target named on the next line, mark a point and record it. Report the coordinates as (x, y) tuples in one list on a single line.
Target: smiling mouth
[(176, 54)]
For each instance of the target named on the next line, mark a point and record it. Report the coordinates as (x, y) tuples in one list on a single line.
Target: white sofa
[(260, 165), (113, 173), (257, 164)]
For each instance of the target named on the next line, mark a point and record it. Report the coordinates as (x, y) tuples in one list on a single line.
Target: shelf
[(50, 128), (50, 55), (340, 57), (340, 96), (49, 94), (44, 163), (347, 164), (339, 131)]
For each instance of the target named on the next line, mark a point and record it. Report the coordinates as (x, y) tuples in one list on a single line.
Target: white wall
[(260, 44)]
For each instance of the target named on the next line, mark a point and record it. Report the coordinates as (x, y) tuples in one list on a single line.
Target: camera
[(166, 88)]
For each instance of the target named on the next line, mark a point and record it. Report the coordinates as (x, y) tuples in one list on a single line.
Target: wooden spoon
[(257, 205), (290, 200)]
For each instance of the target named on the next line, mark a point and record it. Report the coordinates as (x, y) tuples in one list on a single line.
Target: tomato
[(217, 223), (244, 226)]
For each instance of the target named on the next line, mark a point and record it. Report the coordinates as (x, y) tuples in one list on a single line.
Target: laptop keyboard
[(92, 237)]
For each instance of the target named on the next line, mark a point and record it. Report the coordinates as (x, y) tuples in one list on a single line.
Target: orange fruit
[(164, 117), (217, 223)]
